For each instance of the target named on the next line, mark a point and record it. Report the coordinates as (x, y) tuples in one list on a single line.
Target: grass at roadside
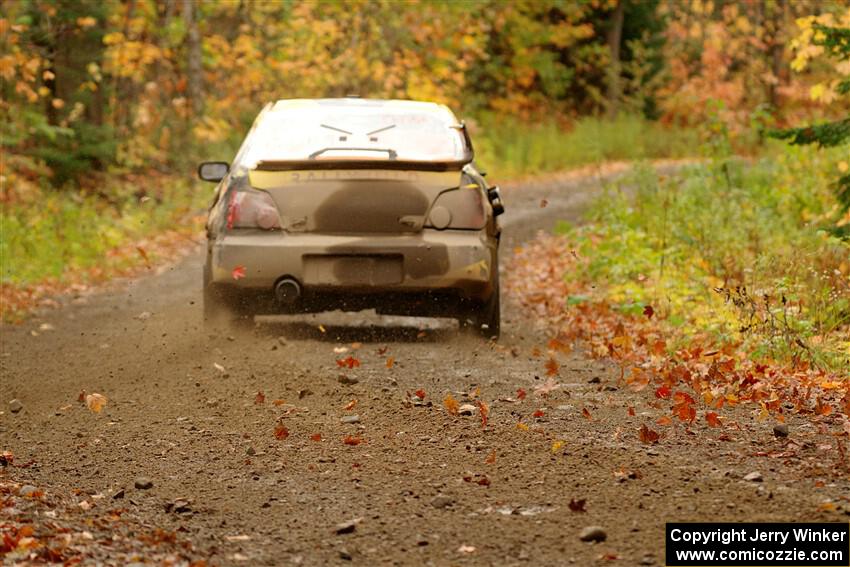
[(509, 148), (738, 254), (60, 240)]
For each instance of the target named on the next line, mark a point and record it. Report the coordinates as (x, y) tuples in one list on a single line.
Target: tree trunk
[(615, 37), (193, 40)]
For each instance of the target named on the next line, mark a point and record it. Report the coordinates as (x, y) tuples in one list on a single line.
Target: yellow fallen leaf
[(521, 426), (557, 445), (95, 402)]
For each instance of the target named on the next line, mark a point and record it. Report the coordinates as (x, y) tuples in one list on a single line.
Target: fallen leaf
[(82, 396), (538, 413), (260, 398), (95, 402), (543, 203), (349, 362), (664, 420), (648, 311), (322, 329), (390, 362), (484, 411), (352, 440), (552, 367), (647, 435), (420, 393), (279, 402), (450, 404), (712, 419), (586, 413), (547, 387), (521, 426), (350, 405), (316, 437), (491, 458), (356, 345), (631, 411), (577, 505), (238, 272), (281, 432), (144, 256), (662, 392), (340, 349), (557, 446), (383, 350), (520, 394)]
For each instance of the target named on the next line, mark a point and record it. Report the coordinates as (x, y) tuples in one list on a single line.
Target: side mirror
[(213, 170), (494, 194)]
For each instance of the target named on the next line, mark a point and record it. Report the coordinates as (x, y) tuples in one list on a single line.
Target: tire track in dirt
[(423, 486)]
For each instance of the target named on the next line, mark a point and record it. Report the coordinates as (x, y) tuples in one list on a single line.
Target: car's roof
[(363, 104)]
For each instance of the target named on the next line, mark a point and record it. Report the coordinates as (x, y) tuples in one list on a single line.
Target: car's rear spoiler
[(317, 164)]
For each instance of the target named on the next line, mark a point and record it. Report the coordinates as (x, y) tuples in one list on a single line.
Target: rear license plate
[(353, 270)]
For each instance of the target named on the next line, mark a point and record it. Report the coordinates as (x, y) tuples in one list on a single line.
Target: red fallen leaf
[(350, 405), (420, 393), (712, 419), (664, 420), (535, 352), (631, 411), (552, 367), (352, 440), (484, 410), (648, 311), (663, 392), (238, 272), (577, 505), (82, 396), (260, 398), (648, 436), (538, 413), (555, 344), (491, 458), (316, 437), (609, 557), (144, 256), (724, 437), (383, 350), (520, 394), (281, 432), (349, 362), (586, 413), (543, 203), (279, 402), (821, 408), (483, 481), (684, 407)]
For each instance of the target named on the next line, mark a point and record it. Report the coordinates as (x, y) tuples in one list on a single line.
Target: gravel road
[(422, 487)]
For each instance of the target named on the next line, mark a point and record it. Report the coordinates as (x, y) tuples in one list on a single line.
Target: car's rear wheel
[(221, 312), (485, 321)]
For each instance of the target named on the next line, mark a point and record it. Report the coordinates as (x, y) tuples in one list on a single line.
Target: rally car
[(353, 204)]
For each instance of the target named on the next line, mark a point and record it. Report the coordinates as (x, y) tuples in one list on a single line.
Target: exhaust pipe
[(287, 291)]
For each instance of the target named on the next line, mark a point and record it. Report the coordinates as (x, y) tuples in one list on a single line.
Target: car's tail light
[(252, 209), (459, 208)]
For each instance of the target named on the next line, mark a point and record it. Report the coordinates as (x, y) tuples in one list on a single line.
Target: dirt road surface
[(421, 488)]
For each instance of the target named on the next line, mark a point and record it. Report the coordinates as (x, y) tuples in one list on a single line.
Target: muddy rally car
[(353, 204)]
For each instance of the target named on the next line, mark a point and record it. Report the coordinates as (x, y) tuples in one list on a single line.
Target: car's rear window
[(355, 132)]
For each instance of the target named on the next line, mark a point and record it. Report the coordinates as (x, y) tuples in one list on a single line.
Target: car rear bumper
[(454, 261)]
